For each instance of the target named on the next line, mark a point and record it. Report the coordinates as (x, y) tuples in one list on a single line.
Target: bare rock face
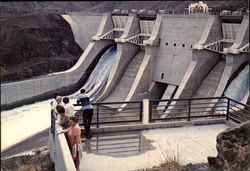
[(233, 149), (34, 45)]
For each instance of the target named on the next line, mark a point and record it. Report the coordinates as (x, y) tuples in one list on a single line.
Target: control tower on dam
[(158, 55)]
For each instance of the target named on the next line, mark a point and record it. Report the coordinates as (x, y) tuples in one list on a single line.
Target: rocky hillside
[(40, 161), (233, 149), (35, 44), (110, 5)]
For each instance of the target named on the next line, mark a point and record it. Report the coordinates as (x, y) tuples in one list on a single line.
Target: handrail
[(185, 109), (194, 98), (116, 114), (238, 102)]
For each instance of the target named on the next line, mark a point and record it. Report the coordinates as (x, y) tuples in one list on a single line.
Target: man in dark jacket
[(87, 111)]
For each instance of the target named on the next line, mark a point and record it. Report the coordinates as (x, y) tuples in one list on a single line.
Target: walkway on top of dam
[(133, 150), (136, 137)]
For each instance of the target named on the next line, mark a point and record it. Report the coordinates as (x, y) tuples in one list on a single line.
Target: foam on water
[(22, 122)]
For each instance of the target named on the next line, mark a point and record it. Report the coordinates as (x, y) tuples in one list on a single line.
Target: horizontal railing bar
[(199, 98), (118, 112), (116, 122), (239, 117), (173, 105), (201, 116), (205, 107), (248, 113), (185, 112), (118, 108), (238, 102), (116, 117), (236, 112), (231, 106), (108, 103), (235, 120)]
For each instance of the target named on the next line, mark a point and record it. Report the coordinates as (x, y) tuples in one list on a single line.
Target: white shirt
[(69, 109)]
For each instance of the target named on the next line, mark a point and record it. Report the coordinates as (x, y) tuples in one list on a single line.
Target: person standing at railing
[(87, 111), (74, 134), (64, 119), (58, 101), (69, 108)]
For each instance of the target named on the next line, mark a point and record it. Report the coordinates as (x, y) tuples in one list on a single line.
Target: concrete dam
[(145, 55)]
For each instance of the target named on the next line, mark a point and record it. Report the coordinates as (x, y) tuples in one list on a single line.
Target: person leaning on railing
[(64, 119), (87, 111), (74, 134)]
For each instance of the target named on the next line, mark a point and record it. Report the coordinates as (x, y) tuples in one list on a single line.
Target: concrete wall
[(84, 26), (242, 37), (28, 91), (60, 152), (202, 60), (173, 59)]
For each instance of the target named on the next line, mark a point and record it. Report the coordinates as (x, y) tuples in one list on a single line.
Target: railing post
[(52, 128), (141, 111), (146, 111), (189, 109), (97, 116), (228, 104)]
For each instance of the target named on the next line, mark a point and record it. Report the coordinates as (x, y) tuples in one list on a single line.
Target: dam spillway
[(175, 52), (157, 56)]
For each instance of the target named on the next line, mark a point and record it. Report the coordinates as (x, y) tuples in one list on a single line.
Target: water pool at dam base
[(135, 150)]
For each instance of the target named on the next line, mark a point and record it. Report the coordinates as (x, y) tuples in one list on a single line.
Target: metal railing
[(113, 113), (238, 112), (53, 122), (198, 108)]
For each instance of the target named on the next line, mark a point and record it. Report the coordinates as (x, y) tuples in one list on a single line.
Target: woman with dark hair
[(74, 134), (64, 119)]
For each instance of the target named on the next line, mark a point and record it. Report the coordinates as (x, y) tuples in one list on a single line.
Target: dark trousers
[(87, 118)]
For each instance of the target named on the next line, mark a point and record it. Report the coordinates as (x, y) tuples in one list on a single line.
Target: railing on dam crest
[(174, 110)]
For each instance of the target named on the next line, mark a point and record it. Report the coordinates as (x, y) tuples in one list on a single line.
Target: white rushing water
[(239, 87), (22, 122), (100, 74)]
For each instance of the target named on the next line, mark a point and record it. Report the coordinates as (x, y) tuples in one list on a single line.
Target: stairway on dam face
[(122, 89)]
